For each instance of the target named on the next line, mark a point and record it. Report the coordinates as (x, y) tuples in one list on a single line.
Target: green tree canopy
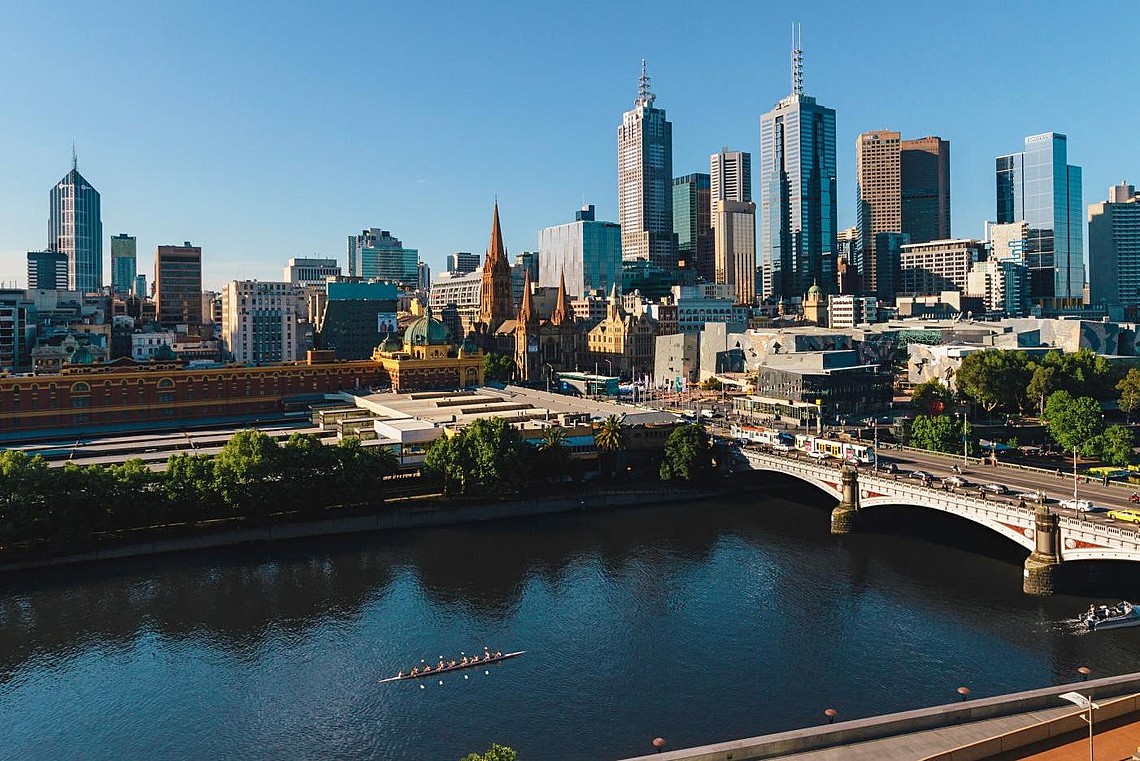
[(1074, 423), (609, 440), (1116, 445), (932, 398), (499, 367), (995, 379), (940, 433), (495, 753), (1129, 388), (485, 457), (687, 453), (247, 471)]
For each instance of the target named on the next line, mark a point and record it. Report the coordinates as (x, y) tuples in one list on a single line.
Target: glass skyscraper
[(1039, 186), (377, 255), (75, 228), (798, 213), (124, 263), (586, 252), (692, 222)]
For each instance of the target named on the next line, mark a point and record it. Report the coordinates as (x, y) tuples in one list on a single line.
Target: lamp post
[(1074, 473), (818, 417), (549, 374), (965, 440), (1083, 702)]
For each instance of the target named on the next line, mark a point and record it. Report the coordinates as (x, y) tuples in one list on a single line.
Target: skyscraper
[(311, 271), (462, 262), (735, 243), (730, 176), (178, 285), (692, 222), (1039, 186), (879, 204), (797, 192), (259, 320), (47, 270), (75, 228), (645, 177), (1114, 252), (585, 255), (925, 168), (377, 255), (124, 263)]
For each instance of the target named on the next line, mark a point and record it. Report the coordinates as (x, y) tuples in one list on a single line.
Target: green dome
[(391, 343), (814, 290), (468, 347), (427, 331)]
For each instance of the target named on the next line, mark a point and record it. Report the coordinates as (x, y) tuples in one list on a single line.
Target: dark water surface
[(698, 622)]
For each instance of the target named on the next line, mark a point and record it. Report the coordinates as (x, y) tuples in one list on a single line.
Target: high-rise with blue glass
[(584, 254), (1039, 187), (798, 212), (75, 228)]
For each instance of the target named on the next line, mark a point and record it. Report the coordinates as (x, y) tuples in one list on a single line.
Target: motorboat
[(1111, 616)]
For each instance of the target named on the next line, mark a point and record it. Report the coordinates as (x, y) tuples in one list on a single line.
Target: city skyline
[(171, 172)]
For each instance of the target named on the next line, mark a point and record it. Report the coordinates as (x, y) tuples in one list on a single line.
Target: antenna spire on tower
[(74, 158), (644, 95), (797, 59)]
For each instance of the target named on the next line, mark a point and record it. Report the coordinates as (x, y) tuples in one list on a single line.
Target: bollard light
[(831, 713), (659, 743), (1084, 671), (964, 692)]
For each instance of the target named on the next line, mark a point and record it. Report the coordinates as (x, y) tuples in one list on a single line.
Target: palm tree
[(555, 456), (609, 439)]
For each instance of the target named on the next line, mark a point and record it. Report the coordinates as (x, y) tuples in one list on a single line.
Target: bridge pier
[(1043, 565), (845, 514)]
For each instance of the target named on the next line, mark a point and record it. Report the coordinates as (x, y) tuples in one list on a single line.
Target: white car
[(1080, 505), (818, 455)]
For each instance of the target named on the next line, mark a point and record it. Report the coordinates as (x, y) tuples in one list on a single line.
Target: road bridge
[(1052, 536)]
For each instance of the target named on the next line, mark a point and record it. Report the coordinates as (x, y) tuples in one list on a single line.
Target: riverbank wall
[(404, 514)]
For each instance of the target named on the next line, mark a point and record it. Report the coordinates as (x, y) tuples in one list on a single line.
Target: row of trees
[(1009, 381), (252, 475)]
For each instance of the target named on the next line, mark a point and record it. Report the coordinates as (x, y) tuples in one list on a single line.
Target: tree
[(931, 397), (189, 487), (357, 471), (687, 453), (499, 367), (712, 384), (23, 496), (995, 379), (1074, 424), (553, 456), (495, 753), (1042, 382), (486, 456), (1116, 445), (609, 439), (247, 472), (446, 462), (1129, 388), (940, 433)]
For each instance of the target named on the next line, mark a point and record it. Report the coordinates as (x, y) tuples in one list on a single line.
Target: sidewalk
[(1117, 740)]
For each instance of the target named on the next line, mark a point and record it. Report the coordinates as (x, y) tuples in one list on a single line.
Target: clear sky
[(264, 130)]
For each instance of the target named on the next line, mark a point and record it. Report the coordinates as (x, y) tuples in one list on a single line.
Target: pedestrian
[(1105, 482)]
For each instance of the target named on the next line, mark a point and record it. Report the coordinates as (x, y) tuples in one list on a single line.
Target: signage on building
[(386, 322)]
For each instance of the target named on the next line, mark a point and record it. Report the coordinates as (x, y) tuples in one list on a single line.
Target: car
[(955, 481), (922, 475), (994, 488), (1080, 505), (887, 467), (818, 455), (1033, 496), (1125, 514)]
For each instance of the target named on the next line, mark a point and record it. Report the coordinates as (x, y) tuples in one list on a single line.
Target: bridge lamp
[(818, 417), (1082, 702)]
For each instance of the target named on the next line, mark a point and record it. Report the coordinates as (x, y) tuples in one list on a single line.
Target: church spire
[(497, 302), (527, 314), (562, 311), (496, 249)]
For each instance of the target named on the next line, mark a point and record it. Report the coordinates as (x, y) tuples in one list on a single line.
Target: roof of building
[(427, 331)]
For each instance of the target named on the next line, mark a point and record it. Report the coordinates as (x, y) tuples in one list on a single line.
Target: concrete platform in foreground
[(1006, 727)]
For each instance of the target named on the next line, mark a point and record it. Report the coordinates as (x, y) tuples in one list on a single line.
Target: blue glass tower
[(75, 228), (798, 214), (1039, 187)]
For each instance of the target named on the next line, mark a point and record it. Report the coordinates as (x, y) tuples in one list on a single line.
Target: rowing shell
[(456, 667)]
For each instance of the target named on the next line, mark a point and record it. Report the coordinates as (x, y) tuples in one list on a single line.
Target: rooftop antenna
[(797, 59), (644, 95), (74, 158)]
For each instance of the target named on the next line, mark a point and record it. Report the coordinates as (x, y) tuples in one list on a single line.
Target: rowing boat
[(457, 667)]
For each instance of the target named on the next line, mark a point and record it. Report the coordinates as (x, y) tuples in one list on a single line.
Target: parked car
[(818, 455), (1125, 514), (955, 481), (887, 467), (922, 475), (1034, 496), (1080, 505), (994, 488)]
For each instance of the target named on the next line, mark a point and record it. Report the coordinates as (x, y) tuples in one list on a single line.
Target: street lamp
[(610, 365), (818, 417), (1082, 702), (549, 374), (965, 441)]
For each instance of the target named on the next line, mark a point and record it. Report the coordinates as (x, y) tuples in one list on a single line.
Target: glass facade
[(645, 179), (797, 197), (1040, 187), (692, 222), (377, 255), (586, 252), (75, 228), (178, 285), (124, 263)]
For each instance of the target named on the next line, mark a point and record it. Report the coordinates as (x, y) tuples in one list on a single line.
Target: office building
[(139, 287), (1039, 186), (455, 298), (377, 255), (124, 263), (178, 285), (939, 265), (17, 331), (1002, 284), (730, 176), (311, 271), (586, 252), (47, 270), (462, 262), (645, 177), (355, 317), (259, 320), (879, 201), (692, 222), (847, 311), (423, 279), (925, 167), (797, 192), (1114, 252), (75, 228), (734, 236)]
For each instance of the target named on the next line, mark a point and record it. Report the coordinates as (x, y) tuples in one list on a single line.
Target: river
[(698, 622)]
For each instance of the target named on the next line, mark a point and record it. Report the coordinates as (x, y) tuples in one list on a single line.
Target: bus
[(758, 434), (830, 448)]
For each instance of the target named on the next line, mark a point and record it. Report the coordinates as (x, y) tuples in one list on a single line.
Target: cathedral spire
[(527, 314), (497, 302), (562, 311), (496, 249)]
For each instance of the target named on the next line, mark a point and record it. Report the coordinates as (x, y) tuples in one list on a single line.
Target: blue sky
[(263, 131)]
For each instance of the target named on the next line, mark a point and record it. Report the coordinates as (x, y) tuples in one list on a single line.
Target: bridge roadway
[(1051, 534)]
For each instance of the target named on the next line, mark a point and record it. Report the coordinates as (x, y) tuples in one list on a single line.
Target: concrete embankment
[(404, 514)]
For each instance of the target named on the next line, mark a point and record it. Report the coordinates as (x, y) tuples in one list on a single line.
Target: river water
[(697, 622)]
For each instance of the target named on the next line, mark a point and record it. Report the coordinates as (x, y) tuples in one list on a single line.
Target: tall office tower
[(376, 255), (879, 202), (138, 288), (178, 285), (645, 174), (47, 270), (730, 176), (797, 192), (1040, 187), (311, 270), (586, 252), (423, 278), (124, 263), (692, 221), (925, 165), (462, 262), (75, 228), (1114, 252), (735, 247), (496, 299), (259, 320)]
